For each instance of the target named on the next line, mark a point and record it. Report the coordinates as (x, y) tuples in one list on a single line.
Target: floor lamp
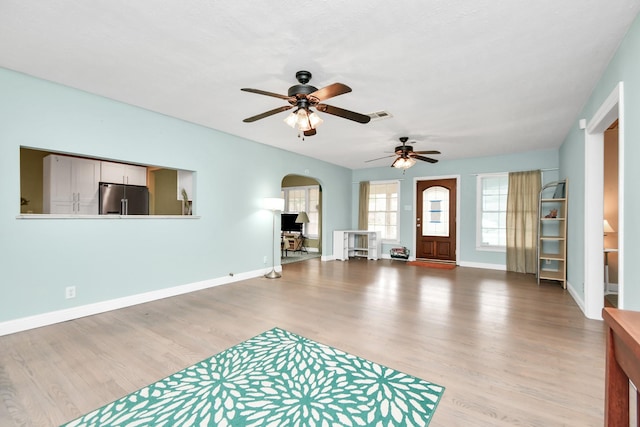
[(273, 204), (302, 218)]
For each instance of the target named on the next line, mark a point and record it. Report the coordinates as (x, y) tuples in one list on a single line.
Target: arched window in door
[(435, 211)]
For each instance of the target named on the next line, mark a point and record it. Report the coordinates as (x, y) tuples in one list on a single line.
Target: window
[(304, 199), (435, 211), (492, 212), (383, 209)]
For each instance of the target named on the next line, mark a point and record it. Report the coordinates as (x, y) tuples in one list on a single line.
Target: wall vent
[(380, 115)]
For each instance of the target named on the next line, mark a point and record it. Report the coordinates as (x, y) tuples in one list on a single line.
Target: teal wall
[(624, 67), (39, 258), (467, 169)]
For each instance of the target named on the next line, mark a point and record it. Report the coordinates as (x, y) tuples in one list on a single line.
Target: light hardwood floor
[(508, 352)]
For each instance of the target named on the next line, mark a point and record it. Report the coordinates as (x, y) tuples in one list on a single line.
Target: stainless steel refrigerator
[(121, 199)]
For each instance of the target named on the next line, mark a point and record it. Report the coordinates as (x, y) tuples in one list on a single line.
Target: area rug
[(441, 265), (276, 379)]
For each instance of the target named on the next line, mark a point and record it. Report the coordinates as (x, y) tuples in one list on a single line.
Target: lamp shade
[(302, 218), (273, 203), (607, 227)]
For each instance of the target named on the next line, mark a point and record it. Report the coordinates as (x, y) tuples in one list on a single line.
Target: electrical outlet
[(70, 292)]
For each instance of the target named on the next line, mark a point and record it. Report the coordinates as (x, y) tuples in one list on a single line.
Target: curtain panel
[(522, 221), (363, 212)]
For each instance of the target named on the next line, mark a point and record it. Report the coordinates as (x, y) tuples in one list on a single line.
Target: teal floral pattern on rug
[(276, 379)]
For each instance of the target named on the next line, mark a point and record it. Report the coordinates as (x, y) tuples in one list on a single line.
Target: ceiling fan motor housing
[(301, 90), (403, 150)]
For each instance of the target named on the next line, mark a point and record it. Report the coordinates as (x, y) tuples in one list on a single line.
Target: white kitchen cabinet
[(70, 185), (120, 173)]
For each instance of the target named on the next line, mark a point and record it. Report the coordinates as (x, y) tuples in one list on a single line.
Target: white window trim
[(479, 245), (397, 182)]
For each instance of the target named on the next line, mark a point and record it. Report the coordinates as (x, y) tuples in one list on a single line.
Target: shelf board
[(552, 275), (555, 257), (553, 238), (553, 200)]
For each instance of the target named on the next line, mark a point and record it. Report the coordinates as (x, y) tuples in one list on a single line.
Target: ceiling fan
[(303, 96), (406, 157)]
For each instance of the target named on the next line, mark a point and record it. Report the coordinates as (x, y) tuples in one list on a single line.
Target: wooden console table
[(623, 364)]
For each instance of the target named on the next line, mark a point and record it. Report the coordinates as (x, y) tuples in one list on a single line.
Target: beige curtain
[(363, 212), (522, 221)]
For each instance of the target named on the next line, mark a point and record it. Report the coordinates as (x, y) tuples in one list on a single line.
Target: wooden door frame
[(415, 206)]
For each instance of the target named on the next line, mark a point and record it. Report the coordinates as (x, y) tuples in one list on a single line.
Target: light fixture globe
[(304, 119), (315, 120), (404, 162)]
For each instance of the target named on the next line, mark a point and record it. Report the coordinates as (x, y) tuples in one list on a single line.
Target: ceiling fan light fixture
[(304, 119), (315, 120), (291, 119), (404, 162)]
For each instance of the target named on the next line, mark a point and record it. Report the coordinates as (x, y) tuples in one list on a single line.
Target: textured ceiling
[(468, 78)]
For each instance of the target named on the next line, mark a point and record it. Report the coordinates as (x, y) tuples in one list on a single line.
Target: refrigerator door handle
[(124, 207)]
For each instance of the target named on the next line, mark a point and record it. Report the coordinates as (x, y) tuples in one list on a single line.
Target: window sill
[(390, 242), (491, 248)]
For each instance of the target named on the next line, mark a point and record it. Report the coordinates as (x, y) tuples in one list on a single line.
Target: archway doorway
[(302, 195)]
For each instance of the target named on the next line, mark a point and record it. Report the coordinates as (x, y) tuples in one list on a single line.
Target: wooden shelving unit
[(552, 232)]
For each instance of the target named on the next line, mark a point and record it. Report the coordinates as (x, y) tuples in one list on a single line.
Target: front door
[(436, 220)]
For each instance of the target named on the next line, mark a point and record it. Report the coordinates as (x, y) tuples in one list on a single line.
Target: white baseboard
[(482, 265), (578, 298), (39, 320)]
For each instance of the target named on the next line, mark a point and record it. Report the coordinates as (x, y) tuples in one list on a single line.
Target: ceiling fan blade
[(330, 91), (267, 113), (264, 92), (345, 114), (428, 152), (425, 159), (379, 158)]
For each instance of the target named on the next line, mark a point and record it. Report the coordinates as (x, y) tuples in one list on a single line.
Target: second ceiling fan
[(303, 96), (406, 157)]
